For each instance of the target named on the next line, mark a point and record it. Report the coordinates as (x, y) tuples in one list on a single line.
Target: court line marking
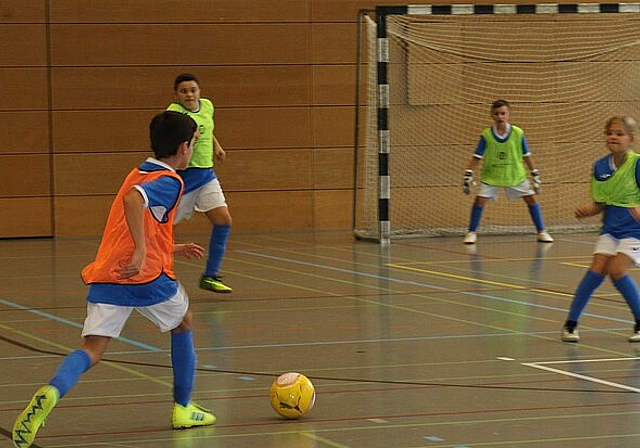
[(69, 349), (352, 272), (367, 427), (441, 288), (344, 271), (74, 324), (544, 365), (404, 308), (458, 277), (323, 440)]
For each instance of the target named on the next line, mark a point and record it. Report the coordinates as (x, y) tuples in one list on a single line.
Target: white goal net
[(564, 74)]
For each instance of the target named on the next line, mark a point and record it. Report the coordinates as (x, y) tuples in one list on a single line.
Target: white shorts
[(108, 320), (609, 245), (515, 192), (205, 198)]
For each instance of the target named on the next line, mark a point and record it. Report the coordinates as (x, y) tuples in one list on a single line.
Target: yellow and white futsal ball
[(292, 395)]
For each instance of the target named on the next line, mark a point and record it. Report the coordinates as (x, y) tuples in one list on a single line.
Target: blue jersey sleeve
[(162, 196), (525, 147), (480, 147)]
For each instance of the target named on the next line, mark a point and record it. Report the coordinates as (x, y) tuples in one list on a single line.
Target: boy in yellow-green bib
[(504, 152), (202, 190)]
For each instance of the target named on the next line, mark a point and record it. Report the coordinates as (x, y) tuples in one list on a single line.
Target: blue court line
[(426, 285), (345, 271), (329, 343), (74, 324)]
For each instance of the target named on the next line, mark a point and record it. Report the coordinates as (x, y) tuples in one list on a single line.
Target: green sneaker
[(191, 415), (212, 283), (33, 417)]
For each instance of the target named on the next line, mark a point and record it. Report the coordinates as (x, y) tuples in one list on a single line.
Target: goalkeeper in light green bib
[(504, 152)]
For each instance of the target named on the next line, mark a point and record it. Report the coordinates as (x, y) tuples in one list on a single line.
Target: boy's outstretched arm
[(134, 214), (188, 250)]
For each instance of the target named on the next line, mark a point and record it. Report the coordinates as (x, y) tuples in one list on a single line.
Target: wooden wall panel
[(25, 217), (23, 45), (334, 84), (93, 174), (242, 171), (23, 89), (24, 132), (110, 131), (126, 131), (162, 44), (271, 210), (281, 127), (332, 209), (25, 190), (25, 175), (336, 10), (258, 170), (334, 43), (91, 88), (81, 215), (333, 169), (22, 11), (256, 85), (333, 126), (88, 88), (281, 73), (171, 11), (254, 211)]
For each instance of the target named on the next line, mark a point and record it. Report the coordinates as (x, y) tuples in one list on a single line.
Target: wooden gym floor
[(424, 343)]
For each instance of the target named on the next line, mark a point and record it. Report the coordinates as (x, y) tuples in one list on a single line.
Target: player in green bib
[(504, 152), (202, 190), (615, 190)]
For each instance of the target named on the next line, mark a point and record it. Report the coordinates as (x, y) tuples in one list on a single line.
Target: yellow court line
[(496, 260), (477, 280), (68, 349), (576, 265), (553, 293), (459, 277)]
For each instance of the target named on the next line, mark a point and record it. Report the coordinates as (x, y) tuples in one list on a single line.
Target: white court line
[(543, 366)]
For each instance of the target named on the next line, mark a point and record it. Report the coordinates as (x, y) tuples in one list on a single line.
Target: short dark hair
[(499, 103), (182, 77), (168, 130)]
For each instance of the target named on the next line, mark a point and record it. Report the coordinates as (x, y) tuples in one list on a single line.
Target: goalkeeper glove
[(467, 182), (537, 183)]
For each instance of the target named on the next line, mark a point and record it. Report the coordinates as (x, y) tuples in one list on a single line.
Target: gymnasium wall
[(83, 78)]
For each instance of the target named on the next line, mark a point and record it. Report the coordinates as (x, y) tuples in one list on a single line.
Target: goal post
[(432, 72)]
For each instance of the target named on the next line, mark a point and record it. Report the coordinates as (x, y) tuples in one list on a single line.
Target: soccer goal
[(432, 73)]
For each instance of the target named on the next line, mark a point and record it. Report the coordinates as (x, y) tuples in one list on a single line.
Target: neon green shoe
[(33, 417), (191, 415), (212, 283)]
